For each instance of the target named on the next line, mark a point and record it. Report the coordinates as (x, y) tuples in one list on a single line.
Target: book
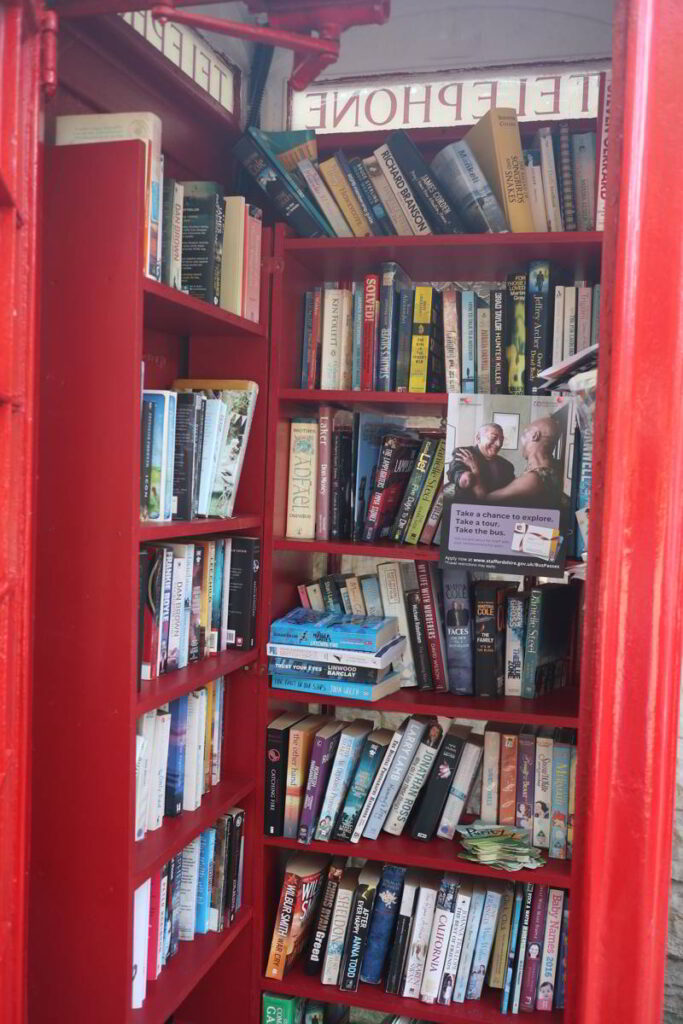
[(416, 636), (325, 745), (158, 770), (378, 782), (315, 954), (399, 945), (515, 928), (450, 304), (323, 475), (304, 627), (495, 144), (543, 788), (351, 741), (382, 922), (515, 628), (489, 605), (430, 808), (526, 778), (498, 335), (175, 766), (414, 779), (344, 196), (469, 941), (393, 282), (370, 333), (338, 926), (414, 487), (544, 144), (426, 358), (172, 233), (507, 805), (301, 737), (277, 1009), (534, 947), (484, 943), (332, 332), (301, 888), (534, 183), (160, 501), (357, 313), (423, 917), (461, 178), (584, 298), (516, 984), (141, 908), (559, 807), (371, 757), (315, 353), (540, 311), (324, 199), (438, 210), (205, 872), (245, 567), (427, 495), (583, 168), (398, 182), (277, 752), (551, 613), (490, 776), (603, 135), (458, 621), (188, 890), (370, 430), (430, 598), (394, 604), (302, 484), (251, 289), (366, 185), (460, 786), (333, 656), (461, 908), (561, 973), (483, 318), (469, 342), (233, 259), (394, 467), (386, 195), (358, 191), (202, 240), (415, 729), (439, 938), (359, 926), (501, 942), (571, 803)]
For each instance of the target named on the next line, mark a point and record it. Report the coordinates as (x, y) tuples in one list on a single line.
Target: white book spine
[(345, 759), (201, 741), (393, 600), (163, 888), (333, 319), (550, 190), (332, 656), (543, 791), (442, 924), (490, 778), (409, 790), (191, 741), (414, 732), (601, 190), (141, 898), (402, 191), (335, 944), (569, 329), (212, 414), (551, 945), (215, 729), (302, 488), (484, 944), (222, 427), (162, 733), (450, 969), (315, 596), (251, 299), (468, 943), (188, 889), (145, 728), (387, 197), (483, 350), (323, 198), (419, 941), (166, 570), (226, 636), (558, 324), (177, 610), (459, 790), (534, 183), (584, 301), (141, 786), (229, 468), (376, 787), (176, 259), (346, 358)]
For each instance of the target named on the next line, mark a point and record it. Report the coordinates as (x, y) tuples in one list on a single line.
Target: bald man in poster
[(493, 471)]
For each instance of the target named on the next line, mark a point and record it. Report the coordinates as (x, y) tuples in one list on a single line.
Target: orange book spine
[(508, 778), (283, 925)]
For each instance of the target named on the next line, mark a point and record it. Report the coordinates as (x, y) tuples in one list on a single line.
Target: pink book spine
[(534, 948), (153, 927), (322, 525), (303, 596), (251, 291)]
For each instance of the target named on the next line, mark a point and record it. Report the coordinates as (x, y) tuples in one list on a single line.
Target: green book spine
[(414, 489), (434, 478), (531, 647)]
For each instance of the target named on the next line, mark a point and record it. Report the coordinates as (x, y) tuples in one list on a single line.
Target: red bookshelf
[(179, 529)]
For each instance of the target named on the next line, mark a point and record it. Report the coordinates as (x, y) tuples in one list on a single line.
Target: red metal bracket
[(49, 26)]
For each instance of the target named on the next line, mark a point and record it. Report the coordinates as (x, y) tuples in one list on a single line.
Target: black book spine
[(184, 455), (336, 514), (414, 489), (268, 177), (436, 363), (244, 571), (236, 845), (347, 171), (540, 300), (485, 639), (438, 210), (370, 192), (176, 882), (146, 434), (498, 367), (416, 635), (331, 595), (315, 956), (229, 857), (250, 636), (431, 804), (399, 949), (144, 566), (357, 937), (202, 241), (347, 486), (277, 749)]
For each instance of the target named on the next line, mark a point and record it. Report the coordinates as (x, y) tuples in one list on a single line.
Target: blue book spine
[(372, 595), (595, 316), (170, 457), (357, 336), (412, 736), (457, 610), (306, 339), (561, 976), (370, 195), (324, 687), (404, 339), (560, 801), (387, 902), (216, 596), (261, 140), (347, 171), (484, 945), (583, 494), (345, 761), (367, 768), (206, 851), (175, 772), (393, 281), (468, 384), (317, 629), (512, 947)]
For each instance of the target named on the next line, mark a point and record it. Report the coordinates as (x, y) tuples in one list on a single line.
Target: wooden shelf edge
[(411, 552), (177, 529), (186, 969), (168, 687), (150, 853), (162, 304), (508, 239)]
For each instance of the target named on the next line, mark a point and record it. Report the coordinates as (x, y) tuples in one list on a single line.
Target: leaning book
[(508, 484)]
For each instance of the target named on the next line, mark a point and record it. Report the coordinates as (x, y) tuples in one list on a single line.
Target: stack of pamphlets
[(498, 846)]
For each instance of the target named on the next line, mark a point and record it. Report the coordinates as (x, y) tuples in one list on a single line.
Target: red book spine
[(370, 299), (303, 596), (430, 609), (252, 263), (322, 508), (316, 341), (534, 948), (153, 967)]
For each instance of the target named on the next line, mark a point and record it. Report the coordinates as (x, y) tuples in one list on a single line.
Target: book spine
[(345, 761), (490, 777), (550, 187), (357, 337), (371, 197), (322, 196), (146, 437), (370, 328), (561, 983), (469, 943), (378, 783), (404, 339), (459, 637), (558, 324), (386, 196), (389, 297), (501, 942), (543, 791), (451, 338), (327, 687), (531, 652), (325, 414), (365, 208), (430, 608), (384, 916), (516, 347), (344, 197), (315, 955), (460, 787), (251, 295), (595, 316), (571, 803), (462, 179), (534, 945), (468, 384), (526, 775), (569, 326), (402, 191), (337, 935), (414, 780), (302, 493), (306, 339), (514, 645), (438, 210), (172, 244), (271, 180), (431, 486), (419, 942), (346, 358), (512, 948), (277, 747), (401, 940), (324, 749), (409, 744), (483, 314), (584, 298), (430, 808), (418, 478), (419, 354), (539, 340), (559, 810), (364, 776), (566, 178), (508, 778), (315, 355), (583, 167), (283, 923), (442, 924), (356, 942), (202, 241), (516, 986), (534, 184), (188, 890), (164, 618), (332, 327), (485, 682), (236, 866), (498, 340), (198, 450), (484, 945), (185, 455), (416, 634), (450, 969), (604, 127)]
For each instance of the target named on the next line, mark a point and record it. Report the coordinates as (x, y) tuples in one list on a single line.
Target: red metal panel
[(631, 665)]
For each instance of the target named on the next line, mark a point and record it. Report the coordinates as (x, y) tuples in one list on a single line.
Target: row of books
[(382, 333), (484, 638), (422, 935), (196, 238), (199, 890), (193, 440), (178, 756), (196, 599), (343, 781), (484, 182), (278, 1009)]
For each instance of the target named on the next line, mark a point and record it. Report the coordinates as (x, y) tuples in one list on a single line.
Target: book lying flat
[(339, 687), (366, 659)]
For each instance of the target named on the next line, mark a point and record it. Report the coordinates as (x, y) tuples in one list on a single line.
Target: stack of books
[(178, 756), (331, 780), (193, 440), (196, 600), (199, 890), (422, 935), (382, 332), (196, 238), (481, 638), (484, 182)]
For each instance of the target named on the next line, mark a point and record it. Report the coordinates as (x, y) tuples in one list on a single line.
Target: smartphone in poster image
[(508, 483)]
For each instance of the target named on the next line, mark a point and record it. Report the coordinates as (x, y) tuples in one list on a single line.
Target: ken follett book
[(508, 484)]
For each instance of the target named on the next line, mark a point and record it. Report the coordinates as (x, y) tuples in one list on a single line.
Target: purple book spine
[(534, 948), (526, 766), (324, 749)]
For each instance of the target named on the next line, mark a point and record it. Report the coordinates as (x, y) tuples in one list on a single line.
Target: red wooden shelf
[(428, 404), (373, 997), (558, 708), (446, 257), (412, 552), (168, 309), (185, 969), (438, 854), (179, 528), (174, 684), (157, 847)]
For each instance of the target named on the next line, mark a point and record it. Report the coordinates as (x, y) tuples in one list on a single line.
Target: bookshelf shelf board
[(178, 528), (426, 405), (168, 309), (438, 854), (174, 684), (448, 257), (372, 997), (157, 847), (412, 552), (559, 708), (185, 969)]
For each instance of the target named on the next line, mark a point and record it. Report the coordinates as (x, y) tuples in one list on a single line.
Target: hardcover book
[(399, 945), (387, 904), (495, 144)]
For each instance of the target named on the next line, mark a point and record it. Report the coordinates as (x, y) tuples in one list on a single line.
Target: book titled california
[(301, 887), (332, 629)]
